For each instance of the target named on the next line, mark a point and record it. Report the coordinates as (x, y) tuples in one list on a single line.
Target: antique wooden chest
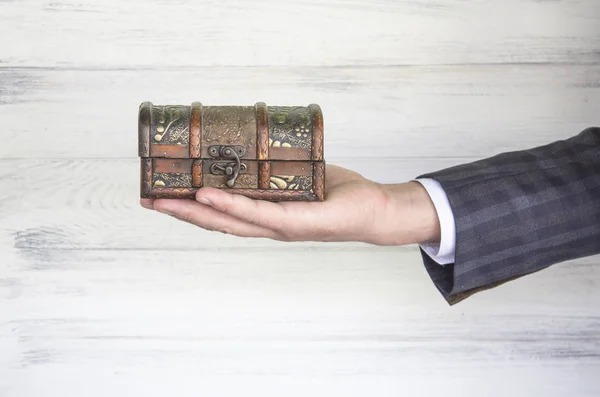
[(263, 152)]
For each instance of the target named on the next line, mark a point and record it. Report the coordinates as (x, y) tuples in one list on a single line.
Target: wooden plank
[(297, 168), (137, 34), (376, 112), (182, 166), (103, 320), (393, 279), (170, 151), (285, 153)]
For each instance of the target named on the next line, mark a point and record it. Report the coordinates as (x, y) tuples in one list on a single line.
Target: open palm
[(355, 209)]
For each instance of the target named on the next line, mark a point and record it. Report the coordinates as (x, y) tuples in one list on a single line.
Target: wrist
[(409, 216)]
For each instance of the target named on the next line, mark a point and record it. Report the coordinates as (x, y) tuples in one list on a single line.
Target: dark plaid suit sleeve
[(520, 212)]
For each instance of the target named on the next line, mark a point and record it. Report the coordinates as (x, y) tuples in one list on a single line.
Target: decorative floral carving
[(170, 125), (162, 179), (242, 181), (146, 174), (291, 182), (228, 125), (289, 126)]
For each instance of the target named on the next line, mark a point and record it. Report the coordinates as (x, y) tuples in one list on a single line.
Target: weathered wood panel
[(102, 321), (378, 112), (137, 34), (87, 307)]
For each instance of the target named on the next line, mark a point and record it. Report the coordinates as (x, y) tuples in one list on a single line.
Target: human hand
[(355, 209)]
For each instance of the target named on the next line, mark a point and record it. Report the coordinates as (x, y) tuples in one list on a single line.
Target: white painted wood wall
[(99, 297)]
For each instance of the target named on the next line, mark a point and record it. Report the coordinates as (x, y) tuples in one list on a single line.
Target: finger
[(211, 219), (147, 203), (256, 212)]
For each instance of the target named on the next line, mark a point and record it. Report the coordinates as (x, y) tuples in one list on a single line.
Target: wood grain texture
[(118, 318), (100, 297), (156, 34), (411, 112)]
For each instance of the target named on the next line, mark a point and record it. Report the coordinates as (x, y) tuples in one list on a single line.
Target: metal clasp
[(229, 168)]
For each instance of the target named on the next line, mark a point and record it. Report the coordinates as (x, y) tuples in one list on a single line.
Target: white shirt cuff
[(442, 253)]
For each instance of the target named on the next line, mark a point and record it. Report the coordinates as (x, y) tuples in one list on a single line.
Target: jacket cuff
[(442, 253)]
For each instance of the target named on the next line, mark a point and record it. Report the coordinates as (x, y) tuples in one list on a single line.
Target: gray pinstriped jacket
[(520, 212)]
